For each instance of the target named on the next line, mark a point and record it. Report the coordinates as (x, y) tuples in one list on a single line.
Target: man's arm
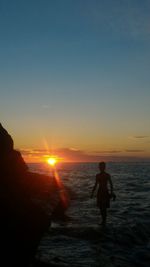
[(94, 188), (111, 184)]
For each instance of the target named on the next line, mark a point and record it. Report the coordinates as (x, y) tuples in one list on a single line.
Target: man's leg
[(104, 215)]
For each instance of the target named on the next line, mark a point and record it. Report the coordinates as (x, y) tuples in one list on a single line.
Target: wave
[(96, 246)]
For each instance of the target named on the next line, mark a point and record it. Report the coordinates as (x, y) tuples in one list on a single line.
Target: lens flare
[(63, 194)]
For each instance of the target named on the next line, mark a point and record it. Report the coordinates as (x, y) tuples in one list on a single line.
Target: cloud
[(33, 151), (76, 155), (74, 149), (67, 154), (71, 154), (26, 151), (107, 151), (134, 150), (140, 136)]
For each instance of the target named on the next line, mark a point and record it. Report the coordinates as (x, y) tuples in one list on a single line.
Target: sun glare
[(52, 161)]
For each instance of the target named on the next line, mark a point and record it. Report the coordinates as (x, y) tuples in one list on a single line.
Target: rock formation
[(23, 220)]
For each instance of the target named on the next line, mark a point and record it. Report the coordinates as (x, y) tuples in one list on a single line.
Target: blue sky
[(76, 73)]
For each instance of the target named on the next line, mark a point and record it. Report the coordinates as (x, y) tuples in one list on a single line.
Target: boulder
[(24, 219)]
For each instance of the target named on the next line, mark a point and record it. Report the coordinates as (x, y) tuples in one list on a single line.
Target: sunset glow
[(52, 161)]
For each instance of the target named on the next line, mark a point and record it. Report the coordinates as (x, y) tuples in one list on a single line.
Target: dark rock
[(23, 220)]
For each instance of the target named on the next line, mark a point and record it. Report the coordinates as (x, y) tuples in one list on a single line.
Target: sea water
[(82, 241)]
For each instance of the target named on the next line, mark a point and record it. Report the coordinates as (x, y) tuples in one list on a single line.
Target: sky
[(74, 78)]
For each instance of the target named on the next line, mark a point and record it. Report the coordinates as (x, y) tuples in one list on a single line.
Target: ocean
[(82, 241)]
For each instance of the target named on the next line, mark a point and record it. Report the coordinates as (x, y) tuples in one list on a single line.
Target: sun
[(52, 161)]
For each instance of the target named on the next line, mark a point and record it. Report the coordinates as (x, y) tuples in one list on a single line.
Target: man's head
[(102, 166)]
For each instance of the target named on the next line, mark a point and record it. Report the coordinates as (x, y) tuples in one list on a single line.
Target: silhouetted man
[(103, 193)]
